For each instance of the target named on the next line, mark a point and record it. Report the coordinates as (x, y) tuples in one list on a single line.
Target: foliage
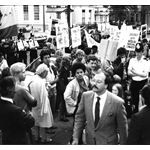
[(120, 13)]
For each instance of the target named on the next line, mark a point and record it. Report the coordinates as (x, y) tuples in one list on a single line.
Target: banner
[(132, 39), (106, 49), (102, 49), (8, 24), (125, 30), (62, 36), (90, 40), (76, 36), (114, 32), (112, 50)]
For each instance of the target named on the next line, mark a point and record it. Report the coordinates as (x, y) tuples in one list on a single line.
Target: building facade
[(40, 16)]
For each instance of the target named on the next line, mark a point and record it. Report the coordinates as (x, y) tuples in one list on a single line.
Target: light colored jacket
[(71, 94)]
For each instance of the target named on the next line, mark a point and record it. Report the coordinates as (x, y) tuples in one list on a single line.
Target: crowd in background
[(30, 97)]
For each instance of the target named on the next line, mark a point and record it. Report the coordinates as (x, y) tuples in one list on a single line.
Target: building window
[(83, 16), (36, 12), (90, 16), (26, 12)]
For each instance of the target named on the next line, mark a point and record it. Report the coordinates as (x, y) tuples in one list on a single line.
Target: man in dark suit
[(14, 122), (102, 114), (139, 130)]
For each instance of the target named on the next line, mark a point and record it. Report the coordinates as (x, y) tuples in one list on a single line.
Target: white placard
[(76, 36), (62, 36), (132, 39)]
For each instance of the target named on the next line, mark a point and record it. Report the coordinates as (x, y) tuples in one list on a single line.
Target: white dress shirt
[(102, 103), (6, 99), (140, 66)]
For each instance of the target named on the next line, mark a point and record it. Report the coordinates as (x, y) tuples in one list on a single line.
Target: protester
[(74, 90), (50, 45), (14, 122), (76, 87), (79, 56), (63, 80), (107, 66), (146, 52), (22, 47), (3, 63), (33, 45), (42, 112), (92, 66), (120, 66), (118, 90), (22, 97), (51, 77), (5, 72)]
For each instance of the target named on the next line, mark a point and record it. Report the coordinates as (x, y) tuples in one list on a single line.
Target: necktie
[(97, 110)]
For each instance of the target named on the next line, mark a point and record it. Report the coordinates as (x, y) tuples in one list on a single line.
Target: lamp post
[(68, 10), (43, 18)]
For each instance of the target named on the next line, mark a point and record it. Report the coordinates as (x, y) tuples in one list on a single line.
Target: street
[(62, 134)]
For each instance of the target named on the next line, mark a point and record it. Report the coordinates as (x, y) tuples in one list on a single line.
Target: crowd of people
[(100, 95)]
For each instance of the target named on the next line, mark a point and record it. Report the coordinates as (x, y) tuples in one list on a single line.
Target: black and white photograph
[(74, 73)]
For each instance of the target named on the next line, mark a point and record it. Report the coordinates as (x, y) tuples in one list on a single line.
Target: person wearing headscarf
[(42, 113)]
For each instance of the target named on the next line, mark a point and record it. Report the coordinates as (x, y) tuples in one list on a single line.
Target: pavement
[(62, 135)]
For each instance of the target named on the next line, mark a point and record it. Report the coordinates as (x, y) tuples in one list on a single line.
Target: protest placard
[(62, 36), (132, 39), (76, 36)]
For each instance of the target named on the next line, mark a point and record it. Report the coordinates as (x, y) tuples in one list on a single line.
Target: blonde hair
[(41, 68), (16, 68), (79, 51)]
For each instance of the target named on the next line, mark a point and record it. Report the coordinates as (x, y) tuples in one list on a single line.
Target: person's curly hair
[(66, 61), (43, 53), (76, 66)]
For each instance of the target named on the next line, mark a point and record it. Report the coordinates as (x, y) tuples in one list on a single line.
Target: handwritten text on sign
[(132, 40)]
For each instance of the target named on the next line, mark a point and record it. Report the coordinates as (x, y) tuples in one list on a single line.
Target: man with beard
[(102, 114)]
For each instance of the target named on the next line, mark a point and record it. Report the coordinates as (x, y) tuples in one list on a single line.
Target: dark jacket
[(118, 67), (24, 99), (14, 123), (139, 131)]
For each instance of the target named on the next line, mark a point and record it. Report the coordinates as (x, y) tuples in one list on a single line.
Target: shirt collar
[(6, 99), (103, 96)]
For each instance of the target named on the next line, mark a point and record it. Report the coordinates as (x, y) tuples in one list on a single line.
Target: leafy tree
[(120, 13)]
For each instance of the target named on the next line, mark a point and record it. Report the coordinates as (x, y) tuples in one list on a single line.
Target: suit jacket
[(112, 122), (139, 130), (14, 123)]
